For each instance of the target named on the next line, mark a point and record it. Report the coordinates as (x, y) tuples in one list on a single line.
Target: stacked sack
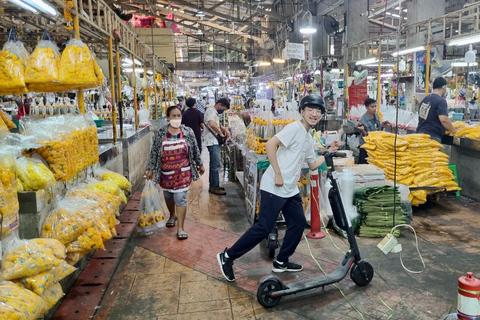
[(32, 270), (13, 60), (419, 162), (33, 174)]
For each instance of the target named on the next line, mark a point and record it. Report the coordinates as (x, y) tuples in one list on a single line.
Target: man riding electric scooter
[(279, 190)]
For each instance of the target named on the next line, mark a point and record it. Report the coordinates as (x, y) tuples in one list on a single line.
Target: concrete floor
[(161, 277)]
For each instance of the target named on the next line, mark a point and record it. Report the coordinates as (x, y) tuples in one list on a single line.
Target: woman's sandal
[(182, 235), (171, 222)]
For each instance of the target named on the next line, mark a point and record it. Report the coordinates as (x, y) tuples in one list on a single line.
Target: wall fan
[(440, 67), (331, 25), (358, 77)]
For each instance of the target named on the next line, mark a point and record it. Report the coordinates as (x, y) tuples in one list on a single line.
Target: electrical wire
[(416, 246)]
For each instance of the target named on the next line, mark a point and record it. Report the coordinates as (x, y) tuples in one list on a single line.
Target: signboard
[(357, 94), (295, 51)]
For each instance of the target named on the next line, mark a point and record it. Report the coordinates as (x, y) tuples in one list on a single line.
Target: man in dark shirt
[(193, 118), (433, 112)]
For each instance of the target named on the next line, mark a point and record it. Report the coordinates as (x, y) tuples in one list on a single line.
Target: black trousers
[(270, 206)]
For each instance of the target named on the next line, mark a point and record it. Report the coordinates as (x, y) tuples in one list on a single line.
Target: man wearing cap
[(433, 112)]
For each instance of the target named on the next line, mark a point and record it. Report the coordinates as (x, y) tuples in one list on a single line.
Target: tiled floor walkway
[(161, 277)]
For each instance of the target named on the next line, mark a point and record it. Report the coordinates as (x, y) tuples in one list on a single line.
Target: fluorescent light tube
[(411, 50), (464, 64), (24, 5), (308, 30), (366, 61), (464, 41), (42, 6)]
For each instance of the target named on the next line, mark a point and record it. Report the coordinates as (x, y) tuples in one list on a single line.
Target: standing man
[(370, 121), (433, 112), (212, 120), (279, 190), (202, 104), (194, 119)]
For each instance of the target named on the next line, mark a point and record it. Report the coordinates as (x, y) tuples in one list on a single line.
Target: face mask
[(175, 123), (220, 111)]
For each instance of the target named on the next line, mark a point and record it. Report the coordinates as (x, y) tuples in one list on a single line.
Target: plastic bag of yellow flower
[(8, 122), (51, 296), (62, 270), (8, 193), (39, 282), (90, 240), (3, 126), (66, 222), (76, 65), (24, 258), (55, 246), (17, 303), (152, 216), (33, 174), (43, 64), (107, 175), (106, 186), (12, 65)]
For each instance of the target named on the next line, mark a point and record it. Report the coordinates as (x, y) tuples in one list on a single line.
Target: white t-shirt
[(208, 138), (296, 148)]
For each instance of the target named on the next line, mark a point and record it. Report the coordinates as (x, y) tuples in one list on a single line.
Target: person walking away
[(433, 112), (279, 191), (176, 161), (369, 121), (211, 119), (193, 119), (202, 104)]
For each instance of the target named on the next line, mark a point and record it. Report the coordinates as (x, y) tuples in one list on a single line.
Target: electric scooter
[(272, 287)]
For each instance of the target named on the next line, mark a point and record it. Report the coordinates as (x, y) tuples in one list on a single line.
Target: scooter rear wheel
[(271, 246), (263, 293), (358, 277)]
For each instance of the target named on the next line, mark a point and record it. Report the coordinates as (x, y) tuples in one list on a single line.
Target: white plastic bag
[(152, 217)]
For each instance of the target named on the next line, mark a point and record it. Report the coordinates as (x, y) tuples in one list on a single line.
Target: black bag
[(221, 140)]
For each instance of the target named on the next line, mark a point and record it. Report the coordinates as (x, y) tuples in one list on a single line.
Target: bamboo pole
[(112, 87), (135, 93), (155, 92), (427, 75), (379, 81), (76, 35)]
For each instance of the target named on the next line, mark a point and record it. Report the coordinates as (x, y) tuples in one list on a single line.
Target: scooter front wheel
[(264, 293), (358, 277)]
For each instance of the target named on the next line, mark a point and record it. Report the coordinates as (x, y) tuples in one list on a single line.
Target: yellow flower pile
[(8, 194), (12, 69), (27, 259), (72, 152), (76, 66), (43, 66), (33, 174), (150, 218), (420, 163), (3, 126), (62, 270), (17, 303), (9, 123), (66, 223)]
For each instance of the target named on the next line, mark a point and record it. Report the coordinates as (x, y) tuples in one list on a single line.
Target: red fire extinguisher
[(468, 305)]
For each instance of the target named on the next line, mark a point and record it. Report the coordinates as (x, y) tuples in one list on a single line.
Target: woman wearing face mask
[(175, 158)]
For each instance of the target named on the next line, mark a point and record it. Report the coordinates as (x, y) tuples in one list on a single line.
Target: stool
[(453, 167)]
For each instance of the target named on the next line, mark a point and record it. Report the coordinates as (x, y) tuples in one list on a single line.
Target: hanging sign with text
[(295, 51)]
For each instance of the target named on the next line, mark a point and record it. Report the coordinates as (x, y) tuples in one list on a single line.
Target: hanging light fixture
[(210, 48), (199, 13), (265, 61), (308, 28), (39, 5)]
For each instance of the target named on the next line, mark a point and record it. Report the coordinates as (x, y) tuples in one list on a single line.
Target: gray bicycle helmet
[(312, 101)]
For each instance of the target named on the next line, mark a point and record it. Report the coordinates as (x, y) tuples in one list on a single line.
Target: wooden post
[(112, 87), (379, 80), (135, 93), (76, 35), (119, 91)]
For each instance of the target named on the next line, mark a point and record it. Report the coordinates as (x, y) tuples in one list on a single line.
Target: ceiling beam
[(166, 11), (255, 9), (381, 23), (389, 6), (217, 14)]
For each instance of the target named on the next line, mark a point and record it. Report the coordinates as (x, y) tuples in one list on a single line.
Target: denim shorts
[(180, 198)]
